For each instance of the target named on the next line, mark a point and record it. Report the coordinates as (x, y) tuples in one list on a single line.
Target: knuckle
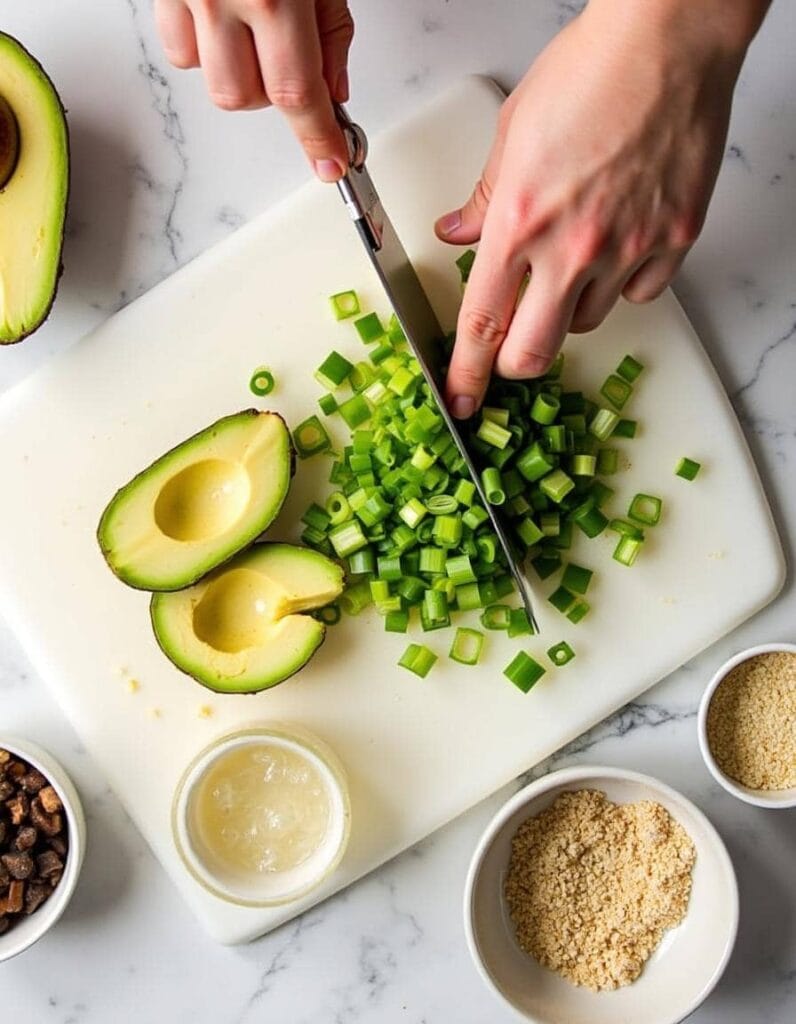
[(470, 380), (684, 230), (296, 96), (343, 26), (643, 291), (317, 145), (524, 364), (587, 243), (229, 99), (484, 329), (210, 9)]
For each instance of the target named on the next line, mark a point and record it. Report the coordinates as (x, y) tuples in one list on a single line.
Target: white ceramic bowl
[(30, 929), (774, 798), (681, 972), (268, 888)]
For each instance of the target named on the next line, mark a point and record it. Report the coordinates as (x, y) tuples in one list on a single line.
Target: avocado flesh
[(240, 629), (33, 199), (199, 504)]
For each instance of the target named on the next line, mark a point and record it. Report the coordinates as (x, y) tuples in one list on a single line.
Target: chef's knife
[(411, 305)]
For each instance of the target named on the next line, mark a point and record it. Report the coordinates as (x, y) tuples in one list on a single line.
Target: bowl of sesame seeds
[(598, 895), (747, 725)]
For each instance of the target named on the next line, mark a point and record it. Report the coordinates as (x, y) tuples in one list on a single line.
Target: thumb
[(463, 226)]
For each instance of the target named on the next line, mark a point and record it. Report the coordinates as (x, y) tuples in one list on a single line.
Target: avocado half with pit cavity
[(34, 187), (240, 629), (199, 504)]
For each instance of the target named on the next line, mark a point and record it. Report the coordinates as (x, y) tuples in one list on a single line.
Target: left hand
[(598, 182)]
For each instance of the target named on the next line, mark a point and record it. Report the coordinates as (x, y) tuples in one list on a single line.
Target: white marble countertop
[(159, 175)]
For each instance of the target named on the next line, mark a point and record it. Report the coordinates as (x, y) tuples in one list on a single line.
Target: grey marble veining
[(159, 176)]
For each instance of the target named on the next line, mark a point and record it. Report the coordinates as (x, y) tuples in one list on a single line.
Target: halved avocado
[(200, 503), (34, 186), (239, 630)]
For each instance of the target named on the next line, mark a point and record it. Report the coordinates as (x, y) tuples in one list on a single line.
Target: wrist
[(715, 28)]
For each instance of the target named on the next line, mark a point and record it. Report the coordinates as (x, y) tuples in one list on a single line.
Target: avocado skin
[(130, 581), (67, 192)]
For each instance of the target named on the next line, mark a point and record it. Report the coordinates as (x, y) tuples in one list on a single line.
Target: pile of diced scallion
[(405, 518)]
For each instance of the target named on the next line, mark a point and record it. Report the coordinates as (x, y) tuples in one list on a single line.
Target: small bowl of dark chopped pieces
[(42, 840)]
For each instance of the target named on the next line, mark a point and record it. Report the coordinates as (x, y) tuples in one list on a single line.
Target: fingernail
[(328, 170), (449, 223), (341, 87), (463, 407)]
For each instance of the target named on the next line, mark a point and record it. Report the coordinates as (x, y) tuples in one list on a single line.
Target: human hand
[(598, 180), (291, 54)]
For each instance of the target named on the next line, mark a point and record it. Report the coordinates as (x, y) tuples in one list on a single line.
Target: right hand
[(292, 54)]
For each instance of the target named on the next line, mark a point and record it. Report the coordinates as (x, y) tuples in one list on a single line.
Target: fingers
[(289, 50), (484, 319), (653, 277), (336, 30), (229, 60), (175, 25), (596, 301), (540, 324), (463, 226)]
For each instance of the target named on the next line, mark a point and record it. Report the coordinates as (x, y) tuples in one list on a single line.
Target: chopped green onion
[(608, 460), (369, 328), (528, 532), (412, 512), (625, 428), (576, 578), (600, 493), (556, 485), (545, 408), (590, 519), (347, 538), (493, 434), (555, 437), (464, 492), (317, 517), (432, 560), (629, 369), (328, 403), (519, 623), (546, 564), (447, 531), (389, 567), (338, 508), (492, 484), (524, 671), (355, 598), (435, 605), (626, 551), (687, 469), (603, 424), (562, 599), (441, 504), (361, 562), (467, 646), (616, 391), (459, 570), (333, 371), (534, 462), (560, 654), (310, 438), (262, 382), (397, 621), (418, 659), (496, 414), (465, 264), (645, 509), (344, 304), (394, 330), (354, 411), (584, 465), (579, 610), (496, 616), (626, 528), (329, 615)]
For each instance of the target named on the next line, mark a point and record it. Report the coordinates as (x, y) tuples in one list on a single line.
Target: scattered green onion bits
[(262, 382), (406, 518), (687, 469)]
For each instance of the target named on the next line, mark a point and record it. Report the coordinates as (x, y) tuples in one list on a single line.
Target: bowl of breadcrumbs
[(598, 896), (747, 725)]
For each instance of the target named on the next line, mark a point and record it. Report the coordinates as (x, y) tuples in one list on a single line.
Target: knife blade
[(412, 308)]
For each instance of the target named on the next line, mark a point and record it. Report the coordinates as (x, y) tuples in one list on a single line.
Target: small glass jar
[(261, 887)]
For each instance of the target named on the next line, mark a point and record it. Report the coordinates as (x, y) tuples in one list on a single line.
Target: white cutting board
[(418, 752)]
